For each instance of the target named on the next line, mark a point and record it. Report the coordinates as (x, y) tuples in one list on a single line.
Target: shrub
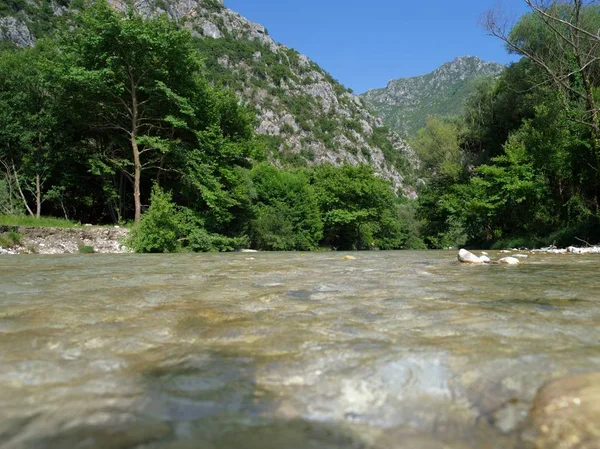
[(86, 249), (160, 228), (10, 239), (200, 240)]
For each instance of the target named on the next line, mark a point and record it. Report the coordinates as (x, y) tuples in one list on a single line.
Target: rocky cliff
[(406, 102), (306, 116)]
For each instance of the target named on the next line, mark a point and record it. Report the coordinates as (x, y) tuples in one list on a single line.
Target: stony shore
[(97, 239), (515, 256)]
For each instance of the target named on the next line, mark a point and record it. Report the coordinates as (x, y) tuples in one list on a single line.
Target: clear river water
[(407, 350)]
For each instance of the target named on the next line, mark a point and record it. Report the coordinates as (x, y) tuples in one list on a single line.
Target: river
[(407, 350)]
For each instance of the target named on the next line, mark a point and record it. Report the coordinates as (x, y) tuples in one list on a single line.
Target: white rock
[(484, 253), (589, 250), (509, 261), (521, 256), (484, 259), (465, 256)]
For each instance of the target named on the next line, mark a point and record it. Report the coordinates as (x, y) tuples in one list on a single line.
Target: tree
[(135, 77), (562, 38), (287, 215), (359, 210), (30, 132), (438, 148)]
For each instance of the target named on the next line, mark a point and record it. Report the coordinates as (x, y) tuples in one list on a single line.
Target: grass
[(26, 220), (86, 249), (10, 239)]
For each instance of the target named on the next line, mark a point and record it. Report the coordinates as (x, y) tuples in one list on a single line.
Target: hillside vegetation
[(406, 103), (521, 166), (120, 115)]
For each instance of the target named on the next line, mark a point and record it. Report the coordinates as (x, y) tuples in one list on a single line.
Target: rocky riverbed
[(377, 350), (97, 239)]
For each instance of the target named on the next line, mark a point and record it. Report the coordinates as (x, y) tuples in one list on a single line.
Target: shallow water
[(405, 350)]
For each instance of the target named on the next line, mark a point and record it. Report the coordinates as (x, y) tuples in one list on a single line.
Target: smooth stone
[(349, 258), (566, 413), (465, 256), (484, 259), (509, 261), (521, 256)]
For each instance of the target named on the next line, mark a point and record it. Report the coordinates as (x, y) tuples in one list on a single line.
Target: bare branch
[(542, 12)]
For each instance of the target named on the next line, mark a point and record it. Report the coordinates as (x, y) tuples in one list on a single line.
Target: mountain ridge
[(405, 103)]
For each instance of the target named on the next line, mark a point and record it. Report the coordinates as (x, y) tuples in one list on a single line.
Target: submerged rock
[(509, 261), (566, 413), (465, 256)]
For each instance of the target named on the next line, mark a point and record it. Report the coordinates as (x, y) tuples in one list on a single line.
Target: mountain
[(406, 102), (304, 114)]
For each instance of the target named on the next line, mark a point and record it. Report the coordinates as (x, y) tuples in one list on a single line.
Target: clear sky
[(366, 43)]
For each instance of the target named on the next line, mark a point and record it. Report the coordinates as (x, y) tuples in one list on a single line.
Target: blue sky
[(364, 44)]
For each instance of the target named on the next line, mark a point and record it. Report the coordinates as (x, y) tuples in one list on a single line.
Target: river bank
[(51, 240), (110, 240)]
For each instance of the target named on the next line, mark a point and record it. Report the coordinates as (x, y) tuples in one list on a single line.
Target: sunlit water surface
[(392, 350)]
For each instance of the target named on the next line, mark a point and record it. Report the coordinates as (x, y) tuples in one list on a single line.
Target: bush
[(200, 240), (10, 239), (86, 249), (160, 228)]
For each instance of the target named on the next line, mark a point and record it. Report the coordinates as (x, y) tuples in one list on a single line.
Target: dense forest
[(112, 119), (521, 166)]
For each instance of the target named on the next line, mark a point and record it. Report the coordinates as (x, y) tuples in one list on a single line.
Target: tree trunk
[(38, 197), (20, 190), (137, 167)]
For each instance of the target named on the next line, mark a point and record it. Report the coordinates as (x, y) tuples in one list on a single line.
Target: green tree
[(561, 38), (287, 215), (30, 127), (359, 209), (134, 77), (438, 148)]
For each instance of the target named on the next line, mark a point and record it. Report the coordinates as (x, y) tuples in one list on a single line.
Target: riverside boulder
[(465, 256)]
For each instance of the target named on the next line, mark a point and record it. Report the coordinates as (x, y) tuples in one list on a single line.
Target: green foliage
[(287, 215), (10, 239), (86, 249), (77, 110), (160, 228), (167, 228), (26, 220), (529, 172), (438, 148), (359, 210), (441, 93)]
